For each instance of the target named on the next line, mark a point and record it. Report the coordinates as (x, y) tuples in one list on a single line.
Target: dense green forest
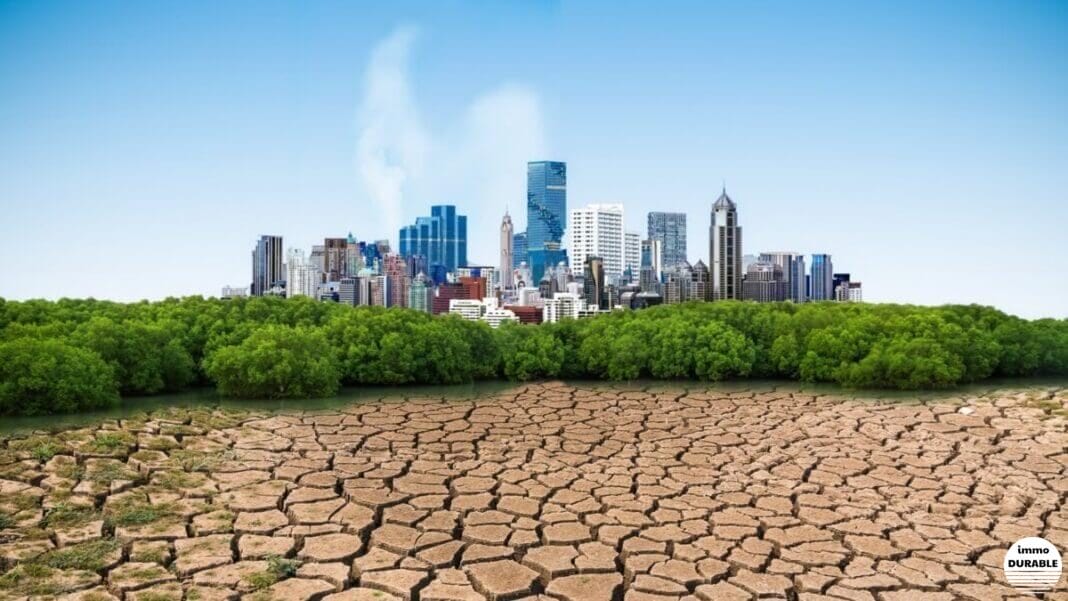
[(75, 355)]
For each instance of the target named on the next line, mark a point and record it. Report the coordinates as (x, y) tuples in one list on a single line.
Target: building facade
[(821, 283), (793, 271), (765, 283), (546, 202), (632, 253), (441, 238), (597, 231), (266, 265), (670, 230), (725, 236), (507, 265), (302, 276), (519, 249)]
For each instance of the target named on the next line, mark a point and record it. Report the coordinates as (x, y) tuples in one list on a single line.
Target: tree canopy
[(71, 355)]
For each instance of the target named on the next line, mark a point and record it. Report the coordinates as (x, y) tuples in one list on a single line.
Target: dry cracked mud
[(548, 491)]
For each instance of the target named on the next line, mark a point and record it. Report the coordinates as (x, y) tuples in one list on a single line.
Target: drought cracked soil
[(547, 491)]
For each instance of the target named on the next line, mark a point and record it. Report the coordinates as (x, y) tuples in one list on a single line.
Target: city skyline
[(898, 159)]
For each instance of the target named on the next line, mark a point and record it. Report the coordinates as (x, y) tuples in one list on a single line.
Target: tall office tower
[(597, 230), (793, 271), (725, 241), (519, 249), (507, 236), (417, 264), (420, 293), (441, 238), (334, 258), (594, 286), (395, 270), (653, 257), (764, 282), (546, 202), (632, 252), (348, 291), (821, 284), (670, 230), (677, 284), (701, 288), (318, 257), (544, 258), (266, 264), (353, 262), (302, 276)]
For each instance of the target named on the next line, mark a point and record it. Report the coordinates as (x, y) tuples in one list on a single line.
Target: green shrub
[(276, 362), (50, 376)]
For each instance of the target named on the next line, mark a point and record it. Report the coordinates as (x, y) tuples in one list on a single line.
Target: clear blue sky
[(145, 146)]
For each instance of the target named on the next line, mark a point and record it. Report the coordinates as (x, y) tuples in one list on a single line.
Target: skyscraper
[(670, 230), (821, 285), (335, 252), (765, 282), (597, 230), (632, 253), (507, 236), (546, 202), (441, 238), (725, 240), (266, 264), (793, 272), (519, 249), (593, 284), (302, 276)]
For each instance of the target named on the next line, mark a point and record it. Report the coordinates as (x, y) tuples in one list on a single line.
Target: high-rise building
[(840, 286), (546, 202), (441, 238), (653, 257), (267, 265), (632, 253), (701, 288), (594, 286), (725, 241), (670, 230), (563, 305), (420, 293), (519, 249), (334, 257), (507, 237), (545, 258), (821, 284), (597, 230), (395, 270), (793, 271), (765, 282), (302, 276)]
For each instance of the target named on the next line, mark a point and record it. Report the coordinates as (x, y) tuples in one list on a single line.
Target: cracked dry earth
[(548, 491)]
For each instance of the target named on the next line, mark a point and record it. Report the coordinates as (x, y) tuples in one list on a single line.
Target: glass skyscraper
[(821, 284), (670, 230), (546, 203), (441, 238), (519, 249)]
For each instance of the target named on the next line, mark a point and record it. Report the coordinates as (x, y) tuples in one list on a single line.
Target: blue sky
[(145, 146)]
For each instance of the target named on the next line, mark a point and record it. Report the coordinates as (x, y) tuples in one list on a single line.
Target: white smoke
[(480, 166), (392, 144)]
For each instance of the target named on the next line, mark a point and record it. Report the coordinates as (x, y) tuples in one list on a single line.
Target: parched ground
[(547, 491)]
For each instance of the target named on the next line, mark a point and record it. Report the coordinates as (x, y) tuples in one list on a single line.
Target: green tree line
[(72, 355)]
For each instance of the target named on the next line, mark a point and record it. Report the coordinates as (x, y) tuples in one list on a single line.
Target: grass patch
[(110, 442), (90, 556), (278, 568), (109, 472), (6, 521), (137, 513), (66, 515)]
